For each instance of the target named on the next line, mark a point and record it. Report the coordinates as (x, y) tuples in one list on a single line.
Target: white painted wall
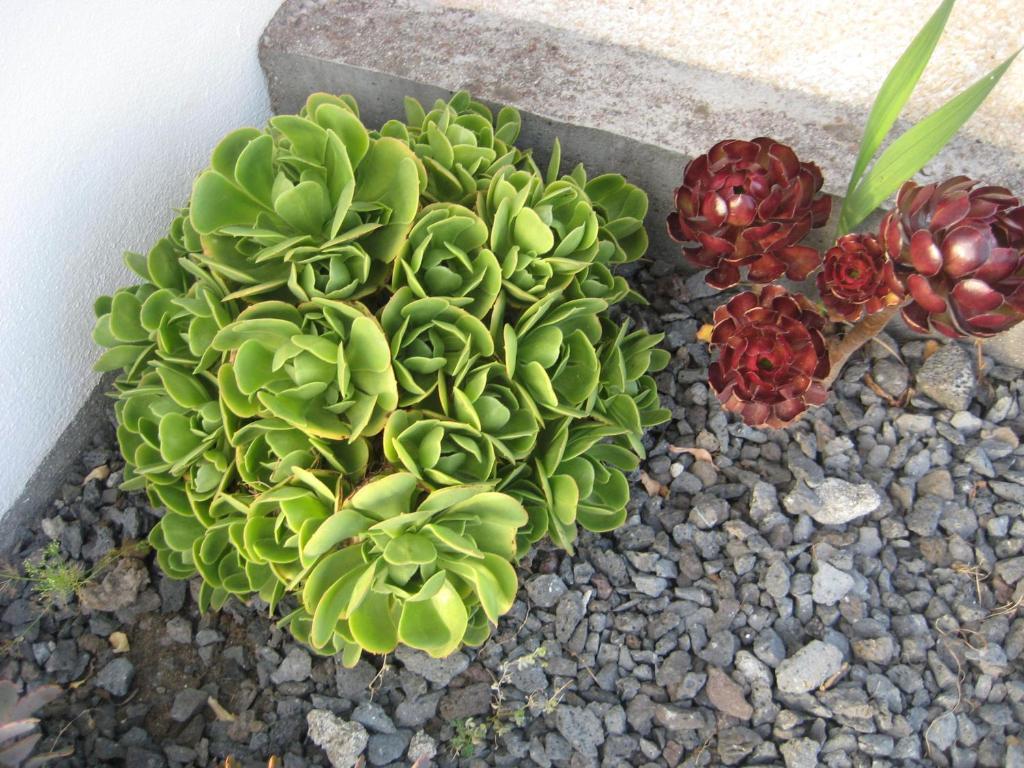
[(109, 111)]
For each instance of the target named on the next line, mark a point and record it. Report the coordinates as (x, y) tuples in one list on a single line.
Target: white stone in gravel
[(1012, 570), (842, 502), (545, 590), (914, 423), (119, 588), (676, 719), (754, 671), (776, 579), (53, 527), (1014, 752), (581, 728), (422, 747), (179, 629), (947, 377), (878, 650), (800, 753), (809, 667), (295, 668), (966, 422), (342, 741), (440, 672), (830, 585), (651, 586)]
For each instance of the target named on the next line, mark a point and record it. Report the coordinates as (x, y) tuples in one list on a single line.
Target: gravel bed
[(844, 593)]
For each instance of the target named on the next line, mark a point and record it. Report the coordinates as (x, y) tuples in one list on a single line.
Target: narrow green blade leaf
[(555, 163), (909, 153), (896, 90)]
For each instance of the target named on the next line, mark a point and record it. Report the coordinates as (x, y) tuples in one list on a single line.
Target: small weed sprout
[(469, 735), (55, 580), (504, 718)]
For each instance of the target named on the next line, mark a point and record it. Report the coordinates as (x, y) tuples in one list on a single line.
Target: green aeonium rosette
[(366, 370)]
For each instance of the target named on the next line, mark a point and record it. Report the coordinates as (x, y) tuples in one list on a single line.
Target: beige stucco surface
[(682, 74), (840, 51)]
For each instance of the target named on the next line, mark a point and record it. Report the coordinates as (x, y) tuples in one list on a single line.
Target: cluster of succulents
[(367, 369), (948, 256)]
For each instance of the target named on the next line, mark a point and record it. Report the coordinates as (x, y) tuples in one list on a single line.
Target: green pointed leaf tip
[(368, 369), (896, 89), (911, 151)]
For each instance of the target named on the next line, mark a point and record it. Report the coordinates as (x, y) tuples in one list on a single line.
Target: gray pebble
[(116, 677), (545, 590)]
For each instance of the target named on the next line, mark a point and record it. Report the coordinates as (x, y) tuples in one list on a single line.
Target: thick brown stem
[(861, 333)]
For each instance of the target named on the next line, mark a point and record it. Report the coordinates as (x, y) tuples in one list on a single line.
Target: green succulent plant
[(325, 370), (550, 351), (543, 236), (312, 205), (366, 370), (431, 340), (439, 452), (444, 257), (487, 399), (461, 144), (392, 564)]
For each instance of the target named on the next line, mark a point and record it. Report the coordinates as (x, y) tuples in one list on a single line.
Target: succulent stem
[(860, 334)]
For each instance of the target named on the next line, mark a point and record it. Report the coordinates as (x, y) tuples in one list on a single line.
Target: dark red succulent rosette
[(772, 356), (960, 250), (858, 278), (748, 204)]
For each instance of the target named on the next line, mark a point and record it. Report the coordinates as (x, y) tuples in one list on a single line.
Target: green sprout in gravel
[(366, 369), (469, 736)]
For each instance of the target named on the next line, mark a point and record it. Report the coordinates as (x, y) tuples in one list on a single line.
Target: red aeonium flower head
[(961, 250), (858, 278), (771, 356), (749, 204)]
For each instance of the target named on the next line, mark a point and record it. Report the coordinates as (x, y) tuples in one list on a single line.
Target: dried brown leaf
[(652, 486), (874, 387), (835, 678), (102, 472), (119, 642), (222, 714), (700, 454), (885, 341)]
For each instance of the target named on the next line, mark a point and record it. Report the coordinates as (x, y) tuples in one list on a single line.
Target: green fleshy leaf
[(436, 624)]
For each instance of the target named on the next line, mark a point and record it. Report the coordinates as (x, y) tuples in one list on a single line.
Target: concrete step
[(639, 88)]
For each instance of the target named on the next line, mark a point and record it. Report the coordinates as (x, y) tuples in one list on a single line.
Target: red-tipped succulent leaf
[(772, 356), (960, 248), (858, 278), (747, 205)]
